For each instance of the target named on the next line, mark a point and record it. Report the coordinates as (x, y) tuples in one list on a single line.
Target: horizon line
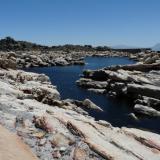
[(80, 44)]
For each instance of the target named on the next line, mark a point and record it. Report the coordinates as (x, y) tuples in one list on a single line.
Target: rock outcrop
[(38, 59), (59, 130), (138, 82), (8, 60), (44, 57), (31, 107)]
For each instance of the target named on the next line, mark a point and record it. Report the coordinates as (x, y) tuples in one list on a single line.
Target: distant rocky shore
[(32, 55), (59, 58), (32, 108)]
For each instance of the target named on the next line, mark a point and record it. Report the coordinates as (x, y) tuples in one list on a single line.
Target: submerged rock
[(133, 116), (90, 105)]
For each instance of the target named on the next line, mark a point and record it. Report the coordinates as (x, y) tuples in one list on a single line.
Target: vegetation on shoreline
[(10, 44)]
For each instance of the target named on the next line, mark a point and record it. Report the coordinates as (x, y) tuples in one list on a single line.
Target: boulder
[(88, 104), (144, 90), (133, 116), (79, 154), (7, 63), (99, 91), (118, 87), (60, 140), (151, 102), (46, 93), (61, 61), (146, 110), (88, 83), (137, 67), (151, 60)]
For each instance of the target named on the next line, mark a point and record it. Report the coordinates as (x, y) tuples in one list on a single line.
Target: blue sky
[(96, 22)]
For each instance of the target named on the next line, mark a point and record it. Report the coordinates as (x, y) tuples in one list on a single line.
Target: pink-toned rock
[(79, 154), (42, 123), (12, 148)]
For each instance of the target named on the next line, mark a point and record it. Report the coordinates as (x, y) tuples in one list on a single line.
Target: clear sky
[(96, 22)]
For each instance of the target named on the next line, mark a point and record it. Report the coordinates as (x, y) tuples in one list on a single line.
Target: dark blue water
[(115, 110)]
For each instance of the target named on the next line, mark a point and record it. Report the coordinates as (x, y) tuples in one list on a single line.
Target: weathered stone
[(60, 140), (61, 62), (42, 123), (146, 110), (145, 90), (79, 154), (133, 116), (100, 91), (39, 135), (56, 154), (87, 83), (90, 105)]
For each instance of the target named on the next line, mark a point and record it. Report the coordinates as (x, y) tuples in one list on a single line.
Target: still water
[(115, 110)]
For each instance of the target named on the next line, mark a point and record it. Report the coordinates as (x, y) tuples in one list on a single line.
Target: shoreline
[(32, 108), (137, 82)]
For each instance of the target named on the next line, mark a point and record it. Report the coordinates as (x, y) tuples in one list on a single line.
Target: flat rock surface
[(12, 147), (62, 133)]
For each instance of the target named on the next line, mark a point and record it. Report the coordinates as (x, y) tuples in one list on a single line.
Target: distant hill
[(124, 47), (130, 49), (156, 47), (10, 44)]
